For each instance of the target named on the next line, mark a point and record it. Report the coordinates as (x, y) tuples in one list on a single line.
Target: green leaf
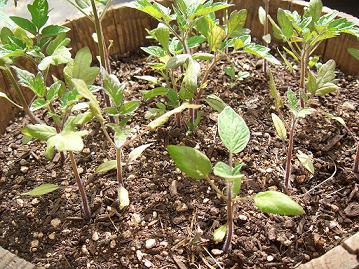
[(278, 102), (81, 68), (220, 233), (60, 41), (39, 12), (279, 127), (53, 90), (315, 9), (262, 52), (151, 79), (215, 102), (3, 95), (83, 90), (338, 119), (165, 117), (195, 41), (42, 190), (122, 196), (24, 24), (292, 101), (80, 119), (326, 73), (137, 152), (155, 10), (106, 167), (204, 9), (39, 131), (113, 88), (354, 52), (306, 161), (230, 71), (177, 61), (61, 55), (277, 203), (225, 171), (68, 140), (159, 91), (29, 80), (236, 22), (162, 35), (155, 51), (326, 89), (121, 135), (38, 103), (262, 15), (202, 56), (302, 113), (190, 161), (129, 107), (311, 83), (190, 79), (54, 30), (233, 130), (285, 24), (216, 36)]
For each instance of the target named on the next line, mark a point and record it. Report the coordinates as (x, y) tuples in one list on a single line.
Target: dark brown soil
[(178, 213)]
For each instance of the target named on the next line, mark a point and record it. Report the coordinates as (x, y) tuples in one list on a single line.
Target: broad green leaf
[(137, 152), (106, 166), (285, 24), (215, 102), (61, 55), (277, 203), (262, 15), (38, 103), (190, 79), (3, 95), (68, 140), (39, 131), (220, 233), (177, 61), (24, 24), (279, 127), (83, 90), (262, 52), (354, 52), (278, 101), (113, 88), (121, 135), (155, 10), (230, 71), (60, 41), (151, 79), (162, 35), (277, 32), (42, 190), (306, 161), (129, 107), (236, 22), (54, 30), (165, 117), (54, 90), (204, 9), (155, 51), (233, 130), (326, 73), (81, 68), (195, 41), (315, 9), (216, 35), (159, 91), (311, 83), (292, 101), (191, 161), (39, 12), (80, 119), (29, 80), (122, 196), (225, 171), (326, 89)]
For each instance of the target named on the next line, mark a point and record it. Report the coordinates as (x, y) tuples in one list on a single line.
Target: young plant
[(297, 113), (234, 134), (304, 34), (180, 33), (42, 45)]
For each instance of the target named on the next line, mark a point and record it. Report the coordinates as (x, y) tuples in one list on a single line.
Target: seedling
[(297, 113), (191, 25), (234, 134), (304, 34), (41, 44)]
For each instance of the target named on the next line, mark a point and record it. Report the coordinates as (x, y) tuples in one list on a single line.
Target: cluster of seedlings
[(191, 41)]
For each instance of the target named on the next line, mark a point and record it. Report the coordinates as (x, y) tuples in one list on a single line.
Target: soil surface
[(170, 220)]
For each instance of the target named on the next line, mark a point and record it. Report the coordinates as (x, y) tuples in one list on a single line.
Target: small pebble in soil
[(95, 236), (85, 250), (24, 169), (112, 244), (150, 243), (147, 263), (52, 236), (20, 202), (35, 201), (216, 252), (270, 258), (34, 244), (55, 223), (242, 217)]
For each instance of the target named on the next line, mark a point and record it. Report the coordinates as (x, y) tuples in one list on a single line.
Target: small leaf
[(122, 196), (24, 24), (38, 104), (262, 15), (338, 119), (278, 102), (326, 89), (305, 112), (279, 127), (137, 152), (42, 190), (3, 95), (113, 88), (190, 79), (215, 102), (202, 56), (177, 61), (129, 107), (68, 140), (159, 91), (220, 233), (39, 12), (190, 161), (233, 130), (106, 167), (292, 101), (216, 37), (39, 131), (54, 30), (306, 161), (61, 55), (236, 22), (354, 52), (277, 203)]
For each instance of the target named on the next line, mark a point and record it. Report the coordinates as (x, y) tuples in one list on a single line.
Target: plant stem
[(21, 96), (266, 31), (119, 166), (303, 69), (215, 188), (230, 224), (85, 204), (356, 162), (288, 165)]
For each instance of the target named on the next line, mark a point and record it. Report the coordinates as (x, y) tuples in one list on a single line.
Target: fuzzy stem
[(230, 224), (85, 204), (356, 162), (215, 188), (119, 166), (303, 69), (266, 31), (21, 96), (288, 165)]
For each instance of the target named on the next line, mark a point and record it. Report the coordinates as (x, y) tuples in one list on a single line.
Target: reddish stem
[(356, 162), (288, 165)]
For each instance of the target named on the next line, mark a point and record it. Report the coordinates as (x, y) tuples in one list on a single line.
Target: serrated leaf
[(220, 233), (137, 152), (42, 190), (165, 117), (315, 9), (278, 101), (106, 166), (61, 55), (262, 52), (233, 130), (39, 131), (277, 203), (68, 140), (279, 127), (192, 162), (29, 80), (306, 161), (123, 198), (204, 9), (39, 12), (292, 101)]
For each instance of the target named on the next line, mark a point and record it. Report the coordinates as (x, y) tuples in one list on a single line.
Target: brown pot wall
[(126, 27)]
